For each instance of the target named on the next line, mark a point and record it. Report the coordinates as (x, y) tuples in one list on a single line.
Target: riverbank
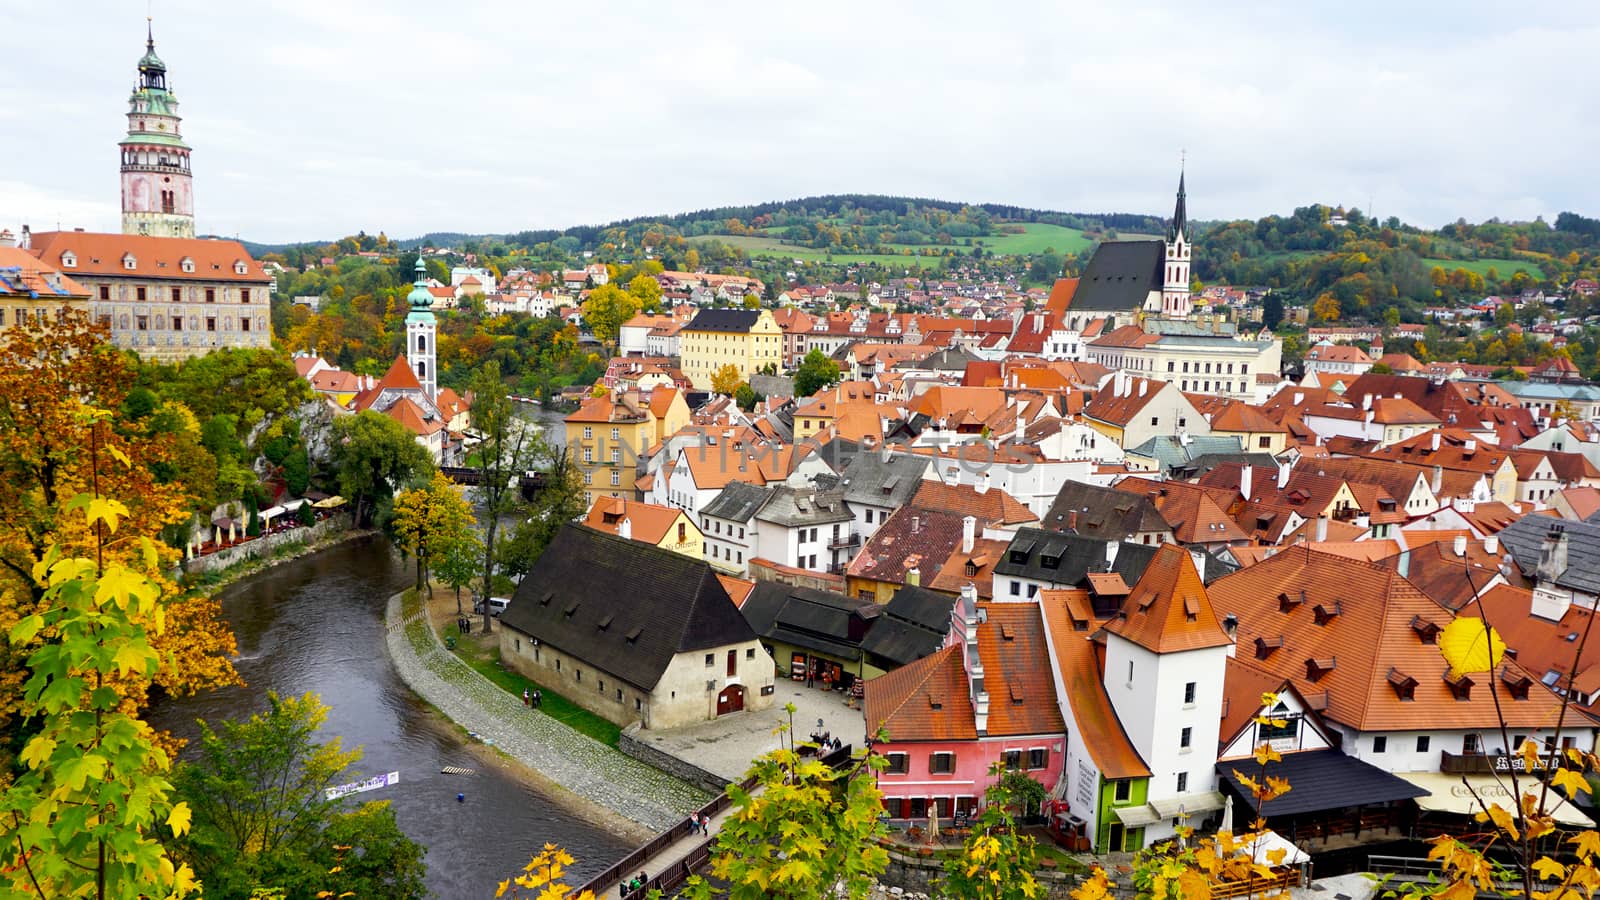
[(209, 583), (617, 786)]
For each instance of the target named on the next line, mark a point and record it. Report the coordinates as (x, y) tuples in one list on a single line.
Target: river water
[(316, 624)]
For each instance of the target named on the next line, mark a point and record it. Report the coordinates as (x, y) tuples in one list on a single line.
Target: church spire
[(1180, 215)]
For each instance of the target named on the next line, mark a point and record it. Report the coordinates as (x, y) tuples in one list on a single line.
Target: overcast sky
[(311, 119)]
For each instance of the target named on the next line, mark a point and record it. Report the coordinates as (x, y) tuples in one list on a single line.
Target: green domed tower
[(421, 331), (157, 187)]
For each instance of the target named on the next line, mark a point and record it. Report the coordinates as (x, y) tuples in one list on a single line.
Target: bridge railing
[(679, 872)]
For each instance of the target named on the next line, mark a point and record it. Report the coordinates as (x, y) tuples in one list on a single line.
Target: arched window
[(422, 369), (422, 343)]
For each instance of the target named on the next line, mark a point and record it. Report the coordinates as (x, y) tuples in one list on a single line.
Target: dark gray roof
[(1077, 556), (792, 506), (875, 479), (1524, 539), (737, 502), (912, 626), (805, 617), (950, 359), (1119, 276), (1205, 462), (623, 607), (1102, 512), (1320, 781), (1170, 451), (739, 320)]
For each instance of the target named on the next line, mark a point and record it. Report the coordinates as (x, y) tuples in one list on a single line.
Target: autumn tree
[(262, 818), (816, 371), (806, 830), (726, 380), (561, 498), (88, 815), (429, 520), (508, 447), (996, 861), (546, 874), (460, 563), (59, 382), (374, 455), (607, 307), (1326, 308), (647, 291)]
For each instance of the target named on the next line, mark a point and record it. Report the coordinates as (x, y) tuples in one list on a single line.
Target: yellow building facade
[(608, 436), (747, 339), (33, 291)]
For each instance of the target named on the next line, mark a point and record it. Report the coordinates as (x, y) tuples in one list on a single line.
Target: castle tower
[(157, 189), (1175, 284), (421, 333)]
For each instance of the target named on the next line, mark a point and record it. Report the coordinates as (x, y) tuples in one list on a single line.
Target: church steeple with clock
[(157, 187)]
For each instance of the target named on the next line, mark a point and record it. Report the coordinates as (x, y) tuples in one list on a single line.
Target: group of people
[(532, 698), (464, 625), (637, 883), (698, 823)]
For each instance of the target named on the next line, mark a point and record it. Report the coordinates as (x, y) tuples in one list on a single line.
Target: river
[(316, 624)]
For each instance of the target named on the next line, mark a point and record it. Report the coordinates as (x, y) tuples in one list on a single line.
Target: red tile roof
[(1078, 661), (1168, 610), (1016, 671), (153, 257), (926, 700)]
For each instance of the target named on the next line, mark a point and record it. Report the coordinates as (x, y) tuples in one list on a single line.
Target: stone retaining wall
[(921, 875), (264, 546), (668, 763)]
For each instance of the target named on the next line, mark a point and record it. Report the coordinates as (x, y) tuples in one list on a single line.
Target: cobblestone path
[(588, 768)]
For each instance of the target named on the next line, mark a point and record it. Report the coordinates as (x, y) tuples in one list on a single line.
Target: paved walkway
[(588, 768)]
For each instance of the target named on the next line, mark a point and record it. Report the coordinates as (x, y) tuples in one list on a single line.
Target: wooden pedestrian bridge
[(671, 857)]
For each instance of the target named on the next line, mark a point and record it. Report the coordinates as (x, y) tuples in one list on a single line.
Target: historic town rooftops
[(990, 507), (1195, 514), (1347, 628), (913, 625), (925, 700), (86, 253), (739, 501), (912, 538), (1167, 610), (1120, 276), (612, 407), (647, 522), (1122, 398), (22, 274), (792, 507), (1071, 627), (583, 598), (1578, 568), (810, 618), (730, 320), (975, 567), (1103, 512), (882, 479), (1016, 669)]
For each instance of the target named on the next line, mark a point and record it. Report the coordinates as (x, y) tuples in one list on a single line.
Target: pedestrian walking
[(694, 823), (538, 698), (527, 698)]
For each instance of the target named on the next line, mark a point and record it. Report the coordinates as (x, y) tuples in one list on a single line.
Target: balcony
[(844, 542), (1477, 763)]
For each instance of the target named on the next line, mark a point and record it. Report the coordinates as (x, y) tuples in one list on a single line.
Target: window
[(600, 686), (1188, 694), (588, 432), (899, 764), (733, 663), (211, 323), (711, 660), (1264, 442), (140, 322), (1380, 744), (941, 763), (616, 478), (1012, 759), (683, 532), (138, 293), (1422, 743), (1155, 421), (1183, 782), (1123, 792), (1130, 671), (105, 292), (1170, 365), (211, 295), (244, 324), (1186, 738), (176, 295), (1038, 758), (750, 654), (177, 323)]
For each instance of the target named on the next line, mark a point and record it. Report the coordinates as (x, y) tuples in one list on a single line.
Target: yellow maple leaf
[(178, 819), (1571, 781), (1548, 869), (107, 510)]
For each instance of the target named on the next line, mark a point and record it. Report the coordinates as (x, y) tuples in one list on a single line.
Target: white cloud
[(333, 115)]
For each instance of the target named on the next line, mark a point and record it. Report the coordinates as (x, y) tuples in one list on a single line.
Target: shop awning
[(1448, 794), (1319, 780), (1136, 816), (292, 505), (1192, 804), (272, 512)]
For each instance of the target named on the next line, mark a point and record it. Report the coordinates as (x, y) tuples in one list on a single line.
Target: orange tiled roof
[(44, 277), (1366, 613), (1078, 662), (1191, 511), (992, 507), (648, 522), (738, 589), (408, 413), (1168, 610), (926, 700), (153, 257), (954, 575), (1016, 671)]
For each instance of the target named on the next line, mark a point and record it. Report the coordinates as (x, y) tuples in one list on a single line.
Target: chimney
[(625, 529), (1247, 476), (1437, 484), (1366, 402), (7, 239), (1230, 625), (1322, 529), (1436, 438), (1283, 475), (26, 241), (1470, 447), (1553, 555), (969, 533), (914, 577), (1459, 545), (916, 524), (1072, 520), (1111, 554), (982, 486), (1491, 544), (1143, 387)]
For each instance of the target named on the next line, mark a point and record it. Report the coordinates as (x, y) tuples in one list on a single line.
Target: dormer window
[(187, 264), (1327, 612), (1426, 631), (238, 267), (1316, 668), (1460, 686), (1516, 683), (1265, 647), (69, 260), (1405, 687), (1287, 601), (129, 262)]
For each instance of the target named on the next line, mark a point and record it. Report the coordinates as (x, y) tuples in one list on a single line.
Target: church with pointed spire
[(157, 186), (1175, 277)]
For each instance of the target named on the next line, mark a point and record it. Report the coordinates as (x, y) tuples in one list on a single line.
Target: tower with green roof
[(421, 332), (157, 188)]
